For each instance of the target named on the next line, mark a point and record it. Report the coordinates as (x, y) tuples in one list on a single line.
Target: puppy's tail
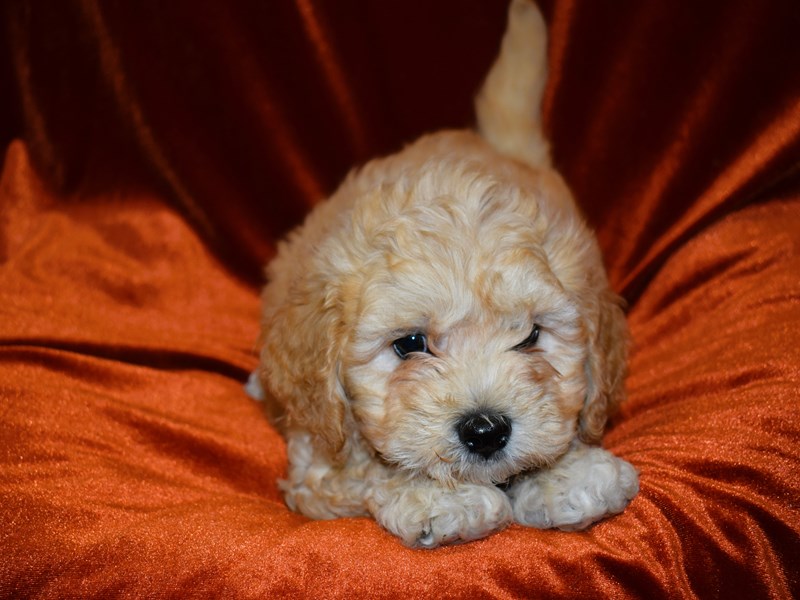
[(510, 103)]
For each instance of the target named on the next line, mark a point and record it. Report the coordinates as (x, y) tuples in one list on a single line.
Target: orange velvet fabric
[(162, 150)]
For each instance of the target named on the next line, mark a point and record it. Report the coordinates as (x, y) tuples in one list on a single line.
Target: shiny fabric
[(156, 151)]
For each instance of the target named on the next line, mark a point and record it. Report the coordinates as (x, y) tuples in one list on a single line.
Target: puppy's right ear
[(301, 341), (509, 104)]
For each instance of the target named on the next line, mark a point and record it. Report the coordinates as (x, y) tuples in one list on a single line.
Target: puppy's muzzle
[(484, 433)]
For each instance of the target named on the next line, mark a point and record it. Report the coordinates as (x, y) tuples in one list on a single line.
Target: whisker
[(556, 371), (442, 458)]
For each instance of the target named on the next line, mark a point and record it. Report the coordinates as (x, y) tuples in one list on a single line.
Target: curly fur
[(471, 238)]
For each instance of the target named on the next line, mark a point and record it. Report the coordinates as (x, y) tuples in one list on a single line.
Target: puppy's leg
[(584, 486), (318, 487), (424, 514), (415, 508)]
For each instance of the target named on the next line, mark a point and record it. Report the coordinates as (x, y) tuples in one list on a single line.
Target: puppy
[(440, 346)]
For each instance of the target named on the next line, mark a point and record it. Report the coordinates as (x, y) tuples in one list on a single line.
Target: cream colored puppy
[(442, 325)]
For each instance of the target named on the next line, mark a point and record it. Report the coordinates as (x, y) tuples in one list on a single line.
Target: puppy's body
[(442, 324)]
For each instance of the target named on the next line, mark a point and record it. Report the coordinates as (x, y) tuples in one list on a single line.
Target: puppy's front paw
[(587, 485), (426, 515)]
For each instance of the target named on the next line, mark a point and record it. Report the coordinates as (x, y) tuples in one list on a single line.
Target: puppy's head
[(447, 310)]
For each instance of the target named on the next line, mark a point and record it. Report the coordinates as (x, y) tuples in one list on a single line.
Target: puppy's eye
[(416, 342), (530, 341)]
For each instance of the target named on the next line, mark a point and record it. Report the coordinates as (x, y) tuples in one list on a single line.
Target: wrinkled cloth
[(154, 154)]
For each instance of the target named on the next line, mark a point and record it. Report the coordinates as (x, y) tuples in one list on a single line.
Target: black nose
[(484, 433)]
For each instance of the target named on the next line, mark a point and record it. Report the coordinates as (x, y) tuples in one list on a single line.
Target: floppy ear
[(301, 342), (509, 104), (605, 366)]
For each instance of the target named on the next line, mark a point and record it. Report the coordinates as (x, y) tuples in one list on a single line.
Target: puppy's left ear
[(606, 366)]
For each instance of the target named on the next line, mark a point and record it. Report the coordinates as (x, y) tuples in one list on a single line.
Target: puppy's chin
[(492, 471)]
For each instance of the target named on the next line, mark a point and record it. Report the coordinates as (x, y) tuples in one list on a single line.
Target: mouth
[(505, 485), (459, 465)]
